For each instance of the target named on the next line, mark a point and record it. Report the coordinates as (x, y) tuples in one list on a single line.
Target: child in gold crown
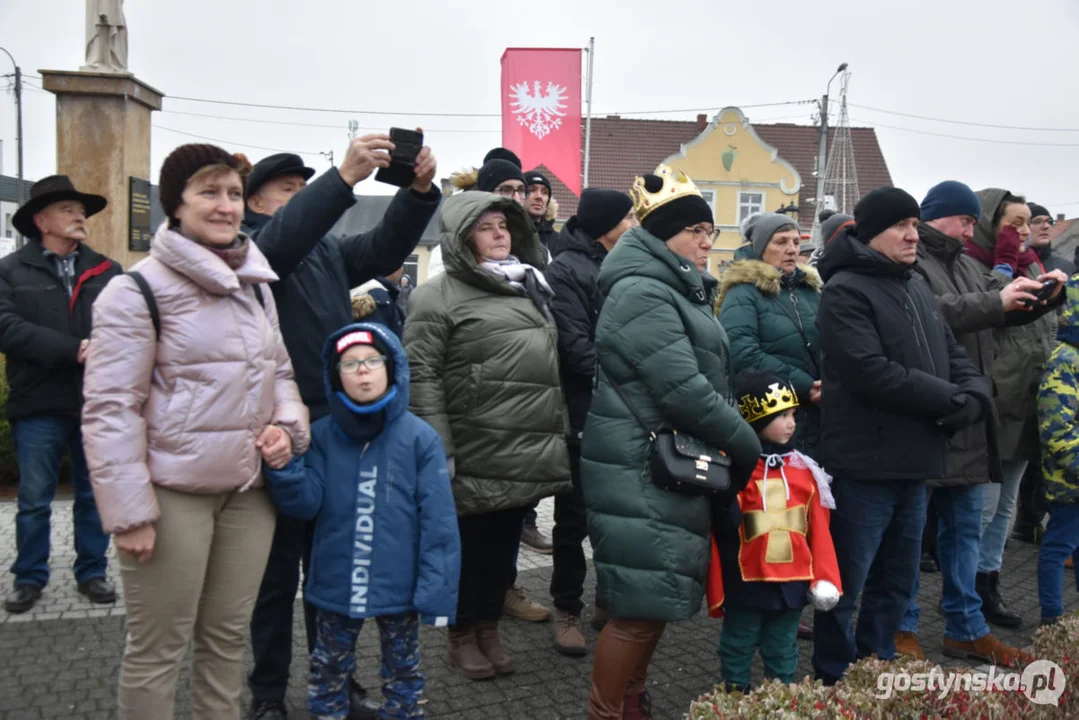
[(772, 551)]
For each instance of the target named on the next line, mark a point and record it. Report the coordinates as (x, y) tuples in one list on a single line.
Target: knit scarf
[(523, 277), (1028, 257)]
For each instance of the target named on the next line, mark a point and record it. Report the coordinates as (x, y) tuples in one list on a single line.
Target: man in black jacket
[(46, 292), (602, 216), (896, 385), (290, 221), (539, 205)]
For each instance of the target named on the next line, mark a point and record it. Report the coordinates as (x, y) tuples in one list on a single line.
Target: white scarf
[(513, 271)]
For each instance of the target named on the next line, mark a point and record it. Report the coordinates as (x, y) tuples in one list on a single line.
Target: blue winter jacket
[(376, 484)]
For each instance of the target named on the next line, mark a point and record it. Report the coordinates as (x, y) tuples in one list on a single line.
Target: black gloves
[(968, 411)]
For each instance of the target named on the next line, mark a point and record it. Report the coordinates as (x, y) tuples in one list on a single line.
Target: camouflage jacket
[(1058, 407)]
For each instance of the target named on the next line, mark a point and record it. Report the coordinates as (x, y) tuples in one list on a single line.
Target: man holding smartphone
[(290, 222)]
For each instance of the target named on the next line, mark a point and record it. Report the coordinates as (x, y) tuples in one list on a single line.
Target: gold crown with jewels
[(779, 397), (676, 184)]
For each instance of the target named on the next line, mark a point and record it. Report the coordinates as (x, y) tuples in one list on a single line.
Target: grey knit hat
[(767, 225)]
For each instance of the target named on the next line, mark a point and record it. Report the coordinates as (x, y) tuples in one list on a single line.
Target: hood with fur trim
[(465, 179), (765, 278)]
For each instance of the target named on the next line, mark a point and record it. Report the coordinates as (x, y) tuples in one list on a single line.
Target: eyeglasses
[(508, 191), (351, 367), (700, 233), (1043, 221)]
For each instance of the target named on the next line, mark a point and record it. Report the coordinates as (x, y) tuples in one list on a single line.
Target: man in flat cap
[(290, 221), (46, 290)]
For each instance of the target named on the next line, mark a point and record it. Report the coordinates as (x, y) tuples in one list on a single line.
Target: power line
[(317, 125), (964, 122), (965, 137), (233, 142)]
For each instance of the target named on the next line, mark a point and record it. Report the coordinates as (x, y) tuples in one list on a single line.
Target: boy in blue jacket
[(386, 544)]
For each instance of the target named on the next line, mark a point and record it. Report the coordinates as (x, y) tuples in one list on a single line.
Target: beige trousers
[(200, 585)]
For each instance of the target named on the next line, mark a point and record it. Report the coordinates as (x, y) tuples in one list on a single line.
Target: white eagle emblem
[(539, 112)]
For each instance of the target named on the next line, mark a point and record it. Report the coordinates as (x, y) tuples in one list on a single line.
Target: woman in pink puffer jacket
[(176, 424)]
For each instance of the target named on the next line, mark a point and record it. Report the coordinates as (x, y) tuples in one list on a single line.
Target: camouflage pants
[(334, 660)]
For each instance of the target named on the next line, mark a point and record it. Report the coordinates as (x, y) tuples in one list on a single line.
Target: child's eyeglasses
[(351, 367)]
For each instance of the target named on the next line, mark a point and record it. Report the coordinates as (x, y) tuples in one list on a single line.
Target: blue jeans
[(334, 660), (40, 443), (877, 532), (1061, 539), (959, 527), (998, 511)]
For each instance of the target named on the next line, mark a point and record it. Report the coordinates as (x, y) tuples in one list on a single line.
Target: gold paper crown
[(779, 397), (676, 184)]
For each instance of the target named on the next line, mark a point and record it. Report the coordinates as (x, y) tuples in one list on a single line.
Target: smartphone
[(1043, 294), (407, 145)]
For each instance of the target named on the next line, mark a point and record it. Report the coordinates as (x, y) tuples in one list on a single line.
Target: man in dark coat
[(896, 385), (1041, 222), (46, 290), (290, 221), (602, 217), (972, 308), (542, 208), (378, 301)]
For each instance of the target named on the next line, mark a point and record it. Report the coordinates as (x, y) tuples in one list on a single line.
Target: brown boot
[(568, 638), (490, 644), (988, 649), (637, 707), (465, 655), (907, 645), (520, 606)]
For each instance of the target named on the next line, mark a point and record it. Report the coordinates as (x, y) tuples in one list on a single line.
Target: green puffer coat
[(658, 339), (762, 310), (485, 368), (1020, 356)]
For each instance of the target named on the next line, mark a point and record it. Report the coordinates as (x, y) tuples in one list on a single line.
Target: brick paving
[(62, 659)]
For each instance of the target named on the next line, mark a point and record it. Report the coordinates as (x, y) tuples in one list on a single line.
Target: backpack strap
[(151, 303), (258, 295)]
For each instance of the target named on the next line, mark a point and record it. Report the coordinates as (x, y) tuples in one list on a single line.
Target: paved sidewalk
[(62, 659)]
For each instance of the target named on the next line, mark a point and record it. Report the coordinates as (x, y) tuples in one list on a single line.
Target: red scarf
[(1026, 258)]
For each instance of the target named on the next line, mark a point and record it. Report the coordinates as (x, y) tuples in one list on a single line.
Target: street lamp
[(822, 149), (18, 125)]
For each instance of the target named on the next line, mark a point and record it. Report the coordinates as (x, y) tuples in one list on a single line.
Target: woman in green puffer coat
[(768, 306), (484, 354), (658, 339)]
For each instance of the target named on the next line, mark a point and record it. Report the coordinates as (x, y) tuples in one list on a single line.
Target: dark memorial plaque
[(138, 216)]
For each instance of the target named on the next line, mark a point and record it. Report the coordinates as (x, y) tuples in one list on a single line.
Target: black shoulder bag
[(681, 463)]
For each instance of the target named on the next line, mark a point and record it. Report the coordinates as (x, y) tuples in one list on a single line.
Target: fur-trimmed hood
[(465, 179), (765, 278)]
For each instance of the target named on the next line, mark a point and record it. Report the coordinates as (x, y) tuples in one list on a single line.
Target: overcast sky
[(995, 62)]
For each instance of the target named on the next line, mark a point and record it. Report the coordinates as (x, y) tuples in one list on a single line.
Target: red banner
[(541, 110)]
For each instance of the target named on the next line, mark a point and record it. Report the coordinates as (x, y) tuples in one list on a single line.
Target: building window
[(710, 198), (412, 269), (749, 203)]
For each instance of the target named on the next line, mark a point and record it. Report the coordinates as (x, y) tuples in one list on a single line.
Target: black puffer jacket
[(890, 368), (318, 270), (41, 328), (573, 276)]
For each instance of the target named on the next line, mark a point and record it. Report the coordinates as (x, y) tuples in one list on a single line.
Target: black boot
[(993, 607)]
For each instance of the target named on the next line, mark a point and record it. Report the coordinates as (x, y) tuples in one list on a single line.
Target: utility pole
[(353, 128), (588, 118), (18, 142), (822, 154)]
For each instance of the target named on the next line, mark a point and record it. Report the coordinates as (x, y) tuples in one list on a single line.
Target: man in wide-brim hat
[(47, 289)]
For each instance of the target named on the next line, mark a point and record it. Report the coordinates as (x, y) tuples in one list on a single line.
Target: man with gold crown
[(773, 551)]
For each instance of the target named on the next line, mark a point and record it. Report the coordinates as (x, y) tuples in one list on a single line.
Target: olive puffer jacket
[(771, 319), (658, 339), (185, 409), (1021, 353), (485, 368)]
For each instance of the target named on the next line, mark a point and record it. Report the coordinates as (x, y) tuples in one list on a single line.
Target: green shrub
[(857, 695)]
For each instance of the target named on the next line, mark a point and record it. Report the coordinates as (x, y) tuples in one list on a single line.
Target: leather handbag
[(681, 463)]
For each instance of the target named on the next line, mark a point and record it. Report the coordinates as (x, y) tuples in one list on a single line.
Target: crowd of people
[(261, 399)]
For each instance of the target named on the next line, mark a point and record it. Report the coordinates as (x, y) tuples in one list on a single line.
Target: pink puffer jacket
[(184, 411)]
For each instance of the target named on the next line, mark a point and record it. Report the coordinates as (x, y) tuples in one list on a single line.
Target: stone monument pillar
[(103, 135)]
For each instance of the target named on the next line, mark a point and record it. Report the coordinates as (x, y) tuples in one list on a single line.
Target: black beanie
[(1037, 210), (879, 209), (362, 337), (501, 153), (600, 211), (495, 172), (762, 395), (535, 177), (673, 217)]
